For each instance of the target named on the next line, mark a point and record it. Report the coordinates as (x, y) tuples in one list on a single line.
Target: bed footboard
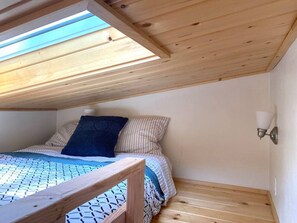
[(52, 205)]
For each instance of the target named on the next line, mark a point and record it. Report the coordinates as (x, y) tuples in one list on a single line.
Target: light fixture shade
[(264, 119), (89, 111)]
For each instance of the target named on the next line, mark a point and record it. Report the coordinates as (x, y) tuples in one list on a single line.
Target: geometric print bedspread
[(23, 174)]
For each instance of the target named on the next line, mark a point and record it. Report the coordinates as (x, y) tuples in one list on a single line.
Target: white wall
[(20, 129), (212, 132), (284, 155)]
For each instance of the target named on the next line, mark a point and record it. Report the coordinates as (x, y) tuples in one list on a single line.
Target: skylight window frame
[(50, 15), (68, 8), (57, 32), (46, 28)]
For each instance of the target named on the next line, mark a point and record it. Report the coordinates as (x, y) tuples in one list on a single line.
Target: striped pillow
[(142, 135), (62, 136)]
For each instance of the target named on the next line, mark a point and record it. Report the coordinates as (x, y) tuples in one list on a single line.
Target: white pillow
[(142, 135), (62, 136)]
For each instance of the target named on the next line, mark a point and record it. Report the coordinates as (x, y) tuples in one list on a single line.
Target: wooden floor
[(200, 203)]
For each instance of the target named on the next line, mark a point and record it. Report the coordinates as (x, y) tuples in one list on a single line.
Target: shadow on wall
[(119, 112)]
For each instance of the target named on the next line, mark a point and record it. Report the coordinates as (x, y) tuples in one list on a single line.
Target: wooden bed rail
[(52, 205)]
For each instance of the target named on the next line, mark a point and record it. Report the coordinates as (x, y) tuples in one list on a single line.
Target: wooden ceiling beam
[(116, 20), (133, 90), (124, 82)]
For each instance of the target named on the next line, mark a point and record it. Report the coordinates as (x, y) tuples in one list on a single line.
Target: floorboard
[(197, 203)]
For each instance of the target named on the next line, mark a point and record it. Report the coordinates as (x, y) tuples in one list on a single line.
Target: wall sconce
[(263, 123), (89, 111)]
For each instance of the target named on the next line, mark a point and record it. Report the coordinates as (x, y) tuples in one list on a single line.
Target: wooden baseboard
[(274, 213), (219, 185)]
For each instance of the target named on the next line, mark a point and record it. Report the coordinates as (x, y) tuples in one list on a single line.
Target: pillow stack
[(105, 135)]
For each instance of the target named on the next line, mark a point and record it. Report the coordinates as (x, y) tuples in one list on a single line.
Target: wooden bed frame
[(52, 205)]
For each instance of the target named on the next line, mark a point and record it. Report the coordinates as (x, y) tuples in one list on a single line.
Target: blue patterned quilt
[(23, 174)]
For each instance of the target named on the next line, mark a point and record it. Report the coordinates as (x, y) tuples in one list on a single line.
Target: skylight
[(65, 29)]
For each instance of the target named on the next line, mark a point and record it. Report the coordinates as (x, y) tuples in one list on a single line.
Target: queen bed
[(37, 168)]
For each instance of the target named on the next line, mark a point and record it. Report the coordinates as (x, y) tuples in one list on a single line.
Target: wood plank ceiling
[(208, 40)]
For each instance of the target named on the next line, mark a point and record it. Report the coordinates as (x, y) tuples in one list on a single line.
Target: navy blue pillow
[(95, 136)]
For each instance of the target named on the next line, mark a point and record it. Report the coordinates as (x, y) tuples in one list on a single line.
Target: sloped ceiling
[(208, 40)]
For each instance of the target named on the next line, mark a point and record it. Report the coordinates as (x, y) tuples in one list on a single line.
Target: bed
[(37, 168), (51, 181)]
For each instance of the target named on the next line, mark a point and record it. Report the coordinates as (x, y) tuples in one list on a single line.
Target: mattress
[(39, 167)]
